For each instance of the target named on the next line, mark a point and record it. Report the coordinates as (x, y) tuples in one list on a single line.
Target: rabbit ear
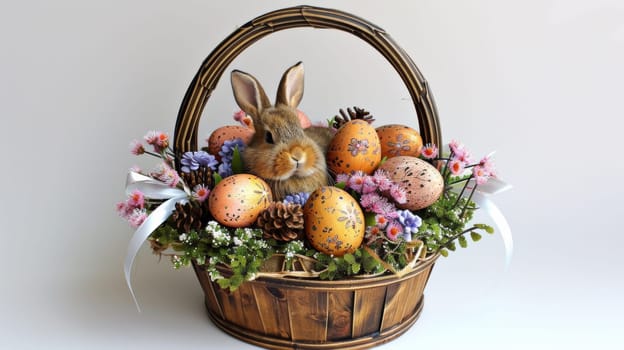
[(249, 94), (290, 90)]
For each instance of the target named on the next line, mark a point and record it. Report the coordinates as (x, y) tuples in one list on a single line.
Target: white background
[(538, 81)]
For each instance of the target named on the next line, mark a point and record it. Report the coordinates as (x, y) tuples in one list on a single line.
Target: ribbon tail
[(155, 219), (500, 222)]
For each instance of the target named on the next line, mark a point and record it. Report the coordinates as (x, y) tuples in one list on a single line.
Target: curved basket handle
[(205, 81)]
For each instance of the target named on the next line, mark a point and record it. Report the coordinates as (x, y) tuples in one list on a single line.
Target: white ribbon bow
[(480, 197), (153, 189)]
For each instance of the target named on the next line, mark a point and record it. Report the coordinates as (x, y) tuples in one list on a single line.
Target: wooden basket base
[(363, 342)]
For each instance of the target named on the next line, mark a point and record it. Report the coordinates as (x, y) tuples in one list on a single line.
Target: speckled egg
[(333, 221), (423, 184), (226, 133), (238, 200), (354, 147), (399, 140)]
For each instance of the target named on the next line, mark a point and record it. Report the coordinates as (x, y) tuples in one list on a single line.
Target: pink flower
[(167, 175), (124, 210), (381, 179), (487, 164), (398, 194), (200, 192), (136, 199), (238, 116), (393, 230), (369, 185), (158, 139), (455, 146), (381, 221), (458, 152), (136, 148), (456, 167), (356, 181), (480, 174), (342, 178), (137, 217), (368, 200), (429, 151)]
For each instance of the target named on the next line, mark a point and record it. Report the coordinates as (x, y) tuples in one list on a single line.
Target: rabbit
[(281, 152)]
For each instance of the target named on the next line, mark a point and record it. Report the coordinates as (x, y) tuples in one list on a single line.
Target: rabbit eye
[(268, 137)]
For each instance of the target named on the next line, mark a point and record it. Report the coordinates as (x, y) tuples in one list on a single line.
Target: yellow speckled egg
[(227, 133), (334, 221), (238, 200), (399, 140), (423, 184), (354, 147)]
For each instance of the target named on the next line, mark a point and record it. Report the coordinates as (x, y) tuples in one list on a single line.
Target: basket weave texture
[(284, 313)]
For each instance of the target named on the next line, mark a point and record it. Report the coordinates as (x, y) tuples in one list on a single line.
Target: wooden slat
[(396, 299), (367, 311), (339, 322), (273, 308), (308, 315)]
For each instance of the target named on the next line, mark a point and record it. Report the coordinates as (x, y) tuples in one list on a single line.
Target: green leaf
[(349, 258), (341, 185), (444, 253), (463, 242), (217, 178), (383, 160), (355, 268), (475, 236), (369, 219), (223, 283), (237, 162), (332, 267)]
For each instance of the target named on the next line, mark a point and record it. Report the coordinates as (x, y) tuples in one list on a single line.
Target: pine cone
[(281, 221), (355, 113), (189, 216), (201, 176)]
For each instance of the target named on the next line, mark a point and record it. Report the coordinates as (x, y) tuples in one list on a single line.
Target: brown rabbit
[(288, 157)]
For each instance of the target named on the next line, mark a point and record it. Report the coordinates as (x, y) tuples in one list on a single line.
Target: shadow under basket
[(287, 313), (284, 313)]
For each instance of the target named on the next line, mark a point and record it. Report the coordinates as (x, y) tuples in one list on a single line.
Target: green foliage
[(444, 224), (237, 161)]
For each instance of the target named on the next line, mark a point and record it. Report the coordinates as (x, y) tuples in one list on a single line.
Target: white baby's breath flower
[(183, 237), (237, 241)]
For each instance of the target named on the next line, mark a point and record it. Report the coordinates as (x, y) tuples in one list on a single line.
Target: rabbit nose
[(297, 155)]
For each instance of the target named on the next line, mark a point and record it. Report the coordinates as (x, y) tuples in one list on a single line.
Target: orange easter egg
[(333, 221), (399, 140), (227, 133), (354, 147), (238, 200)]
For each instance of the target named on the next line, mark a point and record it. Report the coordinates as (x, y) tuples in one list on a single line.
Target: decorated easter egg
[(423, 184), (399, 140), (227, 133), (238, 200), (354, 147), (333, 221)]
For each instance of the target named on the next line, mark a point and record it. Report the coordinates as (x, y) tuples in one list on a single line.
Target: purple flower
[(193, 160), (381, 179), (393, 230), (225, 168), (297, 198), (410, 222), (206, 159), (342, 178), (227, 150)]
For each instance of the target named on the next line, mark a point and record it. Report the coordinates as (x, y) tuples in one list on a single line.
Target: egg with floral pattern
[(238, 200), (399, 140), (423, 184), (227, 133), (354, 147), (333, 221)]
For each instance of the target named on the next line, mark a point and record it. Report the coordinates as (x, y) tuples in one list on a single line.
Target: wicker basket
[(285, 313)]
